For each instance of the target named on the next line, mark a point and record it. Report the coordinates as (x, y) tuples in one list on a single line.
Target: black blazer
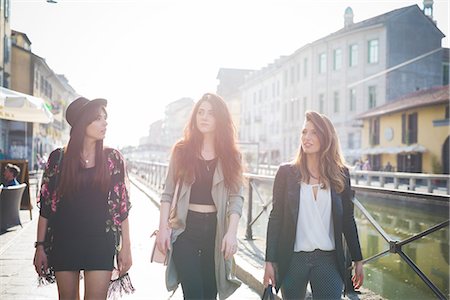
[(281, 230)]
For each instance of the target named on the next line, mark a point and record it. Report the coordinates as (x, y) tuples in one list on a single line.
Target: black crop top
[(201, 188)]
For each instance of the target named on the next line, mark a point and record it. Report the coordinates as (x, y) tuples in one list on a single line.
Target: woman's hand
[(40, 261), (269, 274), (358, 277), (163, 239), (124, 260), (229, 245)]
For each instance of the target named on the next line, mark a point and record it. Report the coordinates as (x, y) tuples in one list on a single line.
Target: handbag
[(158, 256), (268, 293)]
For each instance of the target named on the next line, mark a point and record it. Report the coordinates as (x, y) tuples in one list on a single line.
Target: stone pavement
[(18, 280)]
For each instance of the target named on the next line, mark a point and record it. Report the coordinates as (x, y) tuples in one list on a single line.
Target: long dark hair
[(188, 149), (332, 163), (71, 178)]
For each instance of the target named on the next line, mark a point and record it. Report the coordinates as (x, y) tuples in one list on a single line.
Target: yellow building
[(411, 133)]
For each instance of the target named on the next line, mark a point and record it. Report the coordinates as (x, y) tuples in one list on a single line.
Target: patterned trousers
[(319, 268)]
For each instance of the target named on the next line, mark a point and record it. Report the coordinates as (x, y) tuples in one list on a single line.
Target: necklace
[(208, 163), (86, 160)]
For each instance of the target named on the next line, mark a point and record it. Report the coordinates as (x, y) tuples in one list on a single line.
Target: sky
[(143, 54)]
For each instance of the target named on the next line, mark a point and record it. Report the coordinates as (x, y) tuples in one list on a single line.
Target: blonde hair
[(332, 163)]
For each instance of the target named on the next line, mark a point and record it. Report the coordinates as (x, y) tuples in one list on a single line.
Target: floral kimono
[(118, 198)]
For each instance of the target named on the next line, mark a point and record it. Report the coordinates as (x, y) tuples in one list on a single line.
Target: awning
[(416, 148), (21, 107)]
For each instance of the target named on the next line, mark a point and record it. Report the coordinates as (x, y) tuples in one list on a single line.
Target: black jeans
[(193, 255)]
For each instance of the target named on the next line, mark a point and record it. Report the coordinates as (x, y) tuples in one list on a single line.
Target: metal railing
[(155, 173), (429, 183)]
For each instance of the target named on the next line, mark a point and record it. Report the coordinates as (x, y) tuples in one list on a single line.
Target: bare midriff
[(202, 208)]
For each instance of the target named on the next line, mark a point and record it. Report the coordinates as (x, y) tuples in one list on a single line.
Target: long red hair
[(186, 151), (71, 178)]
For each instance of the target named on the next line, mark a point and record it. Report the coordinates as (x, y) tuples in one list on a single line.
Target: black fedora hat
[(79, 106)]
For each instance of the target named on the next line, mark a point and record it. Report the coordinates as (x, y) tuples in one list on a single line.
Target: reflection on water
[(390, 276)]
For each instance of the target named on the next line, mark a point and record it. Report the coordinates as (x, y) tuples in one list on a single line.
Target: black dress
[(80, 239)]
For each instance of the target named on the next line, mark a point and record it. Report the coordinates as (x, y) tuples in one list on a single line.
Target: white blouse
[(314, 225)]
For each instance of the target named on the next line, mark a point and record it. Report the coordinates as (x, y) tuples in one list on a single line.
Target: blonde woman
[(312, 209)]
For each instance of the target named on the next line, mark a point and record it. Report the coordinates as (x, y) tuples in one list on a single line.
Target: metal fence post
[(249, 232)]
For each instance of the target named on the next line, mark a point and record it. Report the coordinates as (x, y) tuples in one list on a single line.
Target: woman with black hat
[(84, 206)]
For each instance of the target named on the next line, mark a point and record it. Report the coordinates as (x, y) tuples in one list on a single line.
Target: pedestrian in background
[(205, 167), (10, 175), (312, 208), (84, 206)]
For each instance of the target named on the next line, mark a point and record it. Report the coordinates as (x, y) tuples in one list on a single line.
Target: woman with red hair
[(205, 174)]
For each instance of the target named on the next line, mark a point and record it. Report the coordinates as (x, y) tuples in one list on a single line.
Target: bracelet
[(39, 243)]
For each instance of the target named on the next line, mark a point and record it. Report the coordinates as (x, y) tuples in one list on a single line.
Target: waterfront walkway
[(18, 279)]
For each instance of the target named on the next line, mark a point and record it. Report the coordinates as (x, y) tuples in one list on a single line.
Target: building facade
[(30, 74), (412, 133), (228, 89), (5, 42), (176, 116), (360, 67)]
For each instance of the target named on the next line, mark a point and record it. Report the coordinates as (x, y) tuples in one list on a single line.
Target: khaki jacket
[(226, 203)]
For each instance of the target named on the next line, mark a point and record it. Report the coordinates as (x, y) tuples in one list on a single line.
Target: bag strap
[(61, 154), (176, 195), (173, 205)]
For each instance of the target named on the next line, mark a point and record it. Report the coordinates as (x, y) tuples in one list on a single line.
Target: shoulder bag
[(158, 256)]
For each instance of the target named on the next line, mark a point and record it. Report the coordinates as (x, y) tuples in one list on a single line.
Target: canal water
[(389, 276)]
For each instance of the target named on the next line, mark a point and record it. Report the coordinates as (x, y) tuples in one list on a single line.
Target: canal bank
[(406, 242)]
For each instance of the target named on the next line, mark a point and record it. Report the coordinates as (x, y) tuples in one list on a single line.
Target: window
[(445, 75), (321, 103), (273, 89), (352, 99), (374, 132), (305, 67), (372, 47), (304, 104), (292, 109), (7, 9), (36, 80), (298, 72), (336, 102), (351, 140), (322, 63), (292, 74), (353, 55), (410, 162), (285, 78), (409, 128), (372, 96), (6, 49), (337, 62)]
